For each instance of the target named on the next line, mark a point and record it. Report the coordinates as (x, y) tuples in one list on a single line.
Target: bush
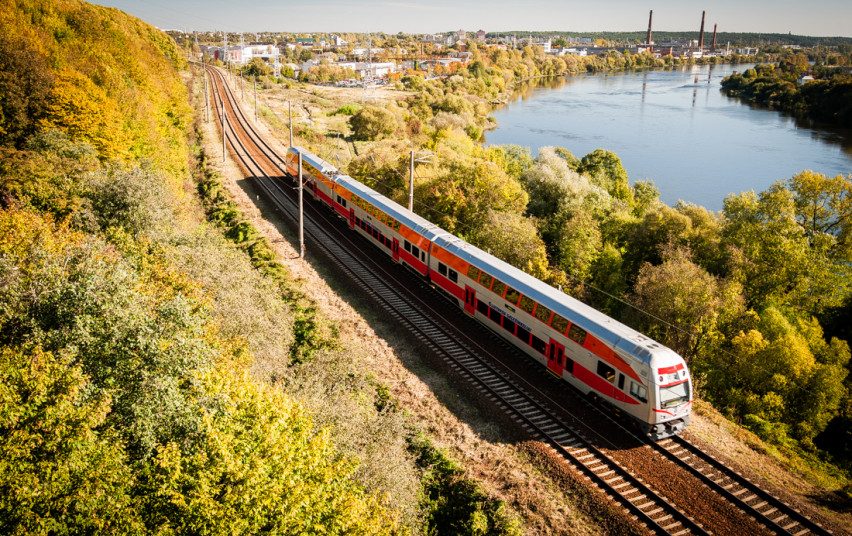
[(374, 123), (347, 109)]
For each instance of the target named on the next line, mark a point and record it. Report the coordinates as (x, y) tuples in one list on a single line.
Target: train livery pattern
[(593, 352)]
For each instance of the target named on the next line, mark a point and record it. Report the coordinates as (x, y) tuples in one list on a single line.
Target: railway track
[(521, 400), (771, 511)]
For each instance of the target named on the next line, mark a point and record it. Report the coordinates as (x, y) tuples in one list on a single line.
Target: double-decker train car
[(580, 345)]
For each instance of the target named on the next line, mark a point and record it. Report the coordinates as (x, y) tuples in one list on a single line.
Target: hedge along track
[(653, 510)]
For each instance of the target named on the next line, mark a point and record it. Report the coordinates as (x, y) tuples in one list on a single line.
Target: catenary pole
[(411, 183), (301, 212), (206, 98), (290, 113), (222, 102), (255, 98)]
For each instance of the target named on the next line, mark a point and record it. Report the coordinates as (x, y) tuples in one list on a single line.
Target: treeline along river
[(674, 127)]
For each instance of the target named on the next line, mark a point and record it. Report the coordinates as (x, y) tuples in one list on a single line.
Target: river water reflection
[(675, 128)]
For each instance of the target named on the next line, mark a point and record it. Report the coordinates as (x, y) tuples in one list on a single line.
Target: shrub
[(374, 123)]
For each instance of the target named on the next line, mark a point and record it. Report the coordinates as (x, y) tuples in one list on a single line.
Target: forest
[(827, 98)]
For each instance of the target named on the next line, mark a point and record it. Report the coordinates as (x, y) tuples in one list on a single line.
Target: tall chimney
[(701, 33), (650, 34), (713, 46)]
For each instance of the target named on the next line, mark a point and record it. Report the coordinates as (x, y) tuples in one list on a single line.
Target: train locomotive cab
[(669, 395)]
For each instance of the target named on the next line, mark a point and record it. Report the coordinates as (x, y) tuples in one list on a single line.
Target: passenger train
[(578, 344)]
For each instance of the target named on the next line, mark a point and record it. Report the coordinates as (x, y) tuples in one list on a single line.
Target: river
[(674, 127)]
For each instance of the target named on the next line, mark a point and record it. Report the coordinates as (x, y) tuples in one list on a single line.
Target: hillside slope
[(126, 406)]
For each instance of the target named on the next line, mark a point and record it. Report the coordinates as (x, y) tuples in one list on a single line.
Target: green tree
[(374, 123), (686, 297), (777, 262), (513, 238), (606, 170), (62, 471), (256, 464), (824, 205), (461, 197)]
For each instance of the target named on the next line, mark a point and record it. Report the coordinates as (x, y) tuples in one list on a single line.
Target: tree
[(824, 205), (605, 169), (514, 239), (461, 197), (374, 123), (26, 82), (685, 296), (577, 242), (256, 464), (777, 262), (62, 470), (255, 68)]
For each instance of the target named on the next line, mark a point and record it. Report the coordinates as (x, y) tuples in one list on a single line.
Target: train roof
[(611, 331), (411, 220), (325, 167)]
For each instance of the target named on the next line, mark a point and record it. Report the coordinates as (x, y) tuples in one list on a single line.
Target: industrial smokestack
[(701, 33), (713, 46), (650, 34)]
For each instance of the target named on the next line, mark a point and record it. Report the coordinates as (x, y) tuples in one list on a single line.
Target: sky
[(815, 17)]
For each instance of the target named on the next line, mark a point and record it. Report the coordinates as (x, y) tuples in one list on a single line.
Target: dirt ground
[(508, 470)]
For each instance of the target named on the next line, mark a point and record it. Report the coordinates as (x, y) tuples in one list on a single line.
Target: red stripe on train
[(670, 370)]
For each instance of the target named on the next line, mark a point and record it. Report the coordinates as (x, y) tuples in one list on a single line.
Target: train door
[(556, 357), (351, 218), (469, 300), (395, 250)]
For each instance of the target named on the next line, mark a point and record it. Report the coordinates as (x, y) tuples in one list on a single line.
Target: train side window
[(357, 221), (454, 276), (538, 345), (512, 296), (621, 381), (508, 325), (496, 316), (523, 334), (527, 304), (606, 372), (569, 365), (559, 323), (415, 251), (423, 256), (442, 269), (638, 391), (542, 313), (577, 334), (407, 246), (499, 288), (485, 280), (473, 272), (482, 307)]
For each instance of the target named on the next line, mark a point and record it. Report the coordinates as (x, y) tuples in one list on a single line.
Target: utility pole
[(411, 183), (222, 121), (255, 99), (301, 212), (290, 113), (206, 98), (422, 159)]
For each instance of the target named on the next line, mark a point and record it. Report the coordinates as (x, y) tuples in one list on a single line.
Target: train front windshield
[(674, 395)]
